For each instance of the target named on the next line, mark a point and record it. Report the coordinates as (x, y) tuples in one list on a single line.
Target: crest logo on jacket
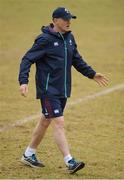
[(56, 43), (67, 10), (70, 42)]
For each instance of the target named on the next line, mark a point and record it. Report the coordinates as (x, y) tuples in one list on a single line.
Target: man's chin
[(66, 30)]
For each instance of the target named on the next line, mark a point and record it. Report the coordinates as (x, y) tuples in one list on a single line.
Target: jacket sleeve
[(80, 65), (33, 55)]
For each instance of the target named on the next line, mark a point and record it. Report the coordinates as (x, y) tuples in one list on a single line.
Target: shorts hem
[(52, 116)]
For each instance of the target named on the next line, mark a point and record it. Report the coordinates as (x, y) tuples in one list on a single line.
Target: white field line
[(98, 94), (72, 103)]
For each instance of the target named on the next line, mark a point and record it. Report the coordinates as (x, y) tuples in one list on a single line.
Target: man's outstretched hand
[(100, 79), (24, 90)]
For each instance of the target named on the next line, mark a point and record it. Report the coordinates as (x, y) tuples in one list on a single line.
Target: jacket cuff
[(23, 82), (91, 75)]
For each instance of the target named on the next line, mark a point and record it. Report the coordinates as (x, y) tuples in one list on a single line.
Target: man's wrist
[(23, 82), (92, 75)]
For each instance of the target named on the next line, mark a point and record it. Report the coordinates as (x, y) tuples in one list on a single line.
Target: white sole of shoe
[(28, 163)]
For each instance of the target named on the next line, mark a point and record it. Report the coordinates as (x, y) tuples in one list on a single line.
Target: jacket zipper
[(65, 48), (47, 81)]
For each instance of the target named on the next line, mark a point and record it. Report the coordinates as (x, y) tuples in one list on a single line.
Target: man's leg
[(29, 157), (61, 141), (39, 132), (59, 135)]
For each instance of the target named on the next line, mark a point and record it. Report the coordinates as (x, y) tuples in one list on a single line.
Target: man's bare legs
[(58, 131), (29, 157)]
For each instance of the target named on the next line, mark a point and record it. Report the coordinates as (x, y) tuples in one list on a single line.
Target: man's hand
[(24, 89), (100, 79)]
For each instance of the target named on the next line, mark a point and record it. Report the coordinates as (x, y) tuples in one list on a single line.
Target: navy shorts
[(53, 107)]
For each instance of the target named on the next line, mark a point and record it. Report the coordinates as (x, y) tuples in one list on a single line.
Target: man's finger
[(101, 83), (23, 93), (26, 90), (98, 82), (105, 79), (104, 82)]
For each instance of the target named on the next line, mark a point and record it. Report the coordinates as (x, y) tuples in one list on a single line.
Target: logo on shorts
[(56, 111), (56, 43)]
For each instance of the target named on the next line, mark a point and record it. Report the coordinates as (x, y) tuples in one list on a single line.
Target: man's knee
[(59, 122), (45, 122)]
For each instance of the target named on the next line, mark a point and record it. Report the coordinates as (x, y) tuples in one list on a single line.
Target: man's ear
[(54, 20)]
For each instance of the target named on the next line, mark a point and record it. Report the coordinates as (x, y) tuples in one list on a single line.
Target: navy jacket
[(54, 54)]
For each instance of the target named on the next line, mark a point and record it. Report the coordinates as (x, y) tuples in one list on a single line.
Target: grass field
[(95, 128)]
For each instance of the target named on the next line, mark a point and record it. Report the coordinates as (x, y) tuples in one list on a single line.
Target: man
[(54, 52)]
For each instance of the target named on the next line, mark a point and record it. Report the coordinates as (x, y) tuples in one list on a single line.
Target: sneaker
[(31, 161), (75, 166)]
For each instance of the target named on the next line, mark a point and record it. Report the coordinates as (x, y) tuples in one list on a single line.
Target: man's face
[(63, 25)]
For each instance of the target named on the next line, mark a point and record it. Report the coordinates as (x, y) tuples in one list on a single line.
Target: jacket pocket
[(47, 81)]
